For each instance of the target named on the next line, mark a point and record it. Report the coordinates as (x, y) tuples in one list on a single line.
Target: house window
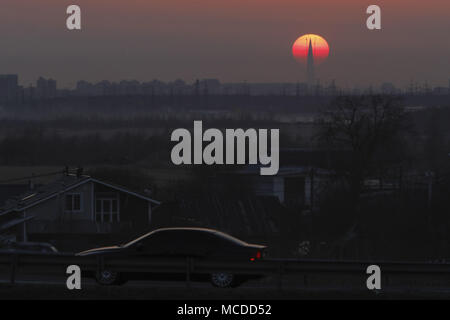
[(107, 209), (73, 202)]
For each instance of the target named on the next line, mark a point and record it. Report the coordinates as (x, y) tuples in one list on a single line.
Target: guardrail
[(56, 264)]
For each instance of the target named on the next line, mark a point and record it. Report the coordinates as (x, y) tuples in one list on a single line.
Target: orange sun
[(321, 50)]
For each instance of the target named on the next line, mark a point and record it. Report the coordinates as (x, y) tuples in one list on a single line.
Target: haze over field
[(227, 39)]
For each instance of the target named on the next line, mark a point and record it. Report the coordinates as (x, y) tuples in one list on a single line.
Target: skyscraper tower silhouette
[(310, 66)]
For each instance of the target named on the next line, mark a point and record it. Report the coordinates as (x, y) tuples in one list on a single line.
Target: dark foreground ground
[(199, 291)]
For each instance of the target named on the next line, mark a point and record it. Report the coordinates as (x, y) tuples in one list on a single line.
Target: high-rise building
[(310, 66), (46, 88), (9, 88)]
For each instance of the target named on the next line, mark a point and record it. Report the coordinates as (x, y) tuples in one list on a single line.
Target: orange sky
[(233, 40)]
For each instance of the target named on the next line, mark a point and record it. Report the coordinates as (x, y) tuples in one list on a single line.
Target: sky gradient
[(232, 40)]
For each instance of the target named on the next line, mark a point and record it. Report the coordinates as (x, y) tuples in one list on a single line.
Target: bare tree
[(368, 128)]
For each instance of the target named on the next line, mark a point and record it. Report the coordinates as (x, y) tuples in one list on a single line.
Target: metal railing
[(56, 264)]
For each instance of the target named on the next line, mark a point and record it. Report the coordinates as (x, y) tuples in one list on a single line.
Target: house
[(76, 212), (302, 177), (296, 186)]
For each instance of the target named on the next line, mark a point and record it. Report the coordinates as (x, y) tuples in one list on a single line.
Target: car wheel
[(222, 279), (108, 277)]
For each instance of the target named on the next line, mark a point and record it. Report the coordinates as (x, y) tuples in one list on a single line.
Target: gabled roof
[(14, 222), (122, 189), (62, 185), (9, 191)]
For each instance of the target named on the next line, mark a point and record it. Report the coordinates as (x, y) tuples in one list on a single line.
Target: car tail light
[(257, 256)]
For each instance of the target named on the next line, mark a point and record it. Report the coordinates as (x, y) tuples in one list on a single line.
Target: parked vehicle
[(198, 243), (28, 248)]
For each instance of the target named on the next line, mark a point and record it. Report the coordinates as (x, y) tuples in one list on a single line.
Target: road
[(55, 288)]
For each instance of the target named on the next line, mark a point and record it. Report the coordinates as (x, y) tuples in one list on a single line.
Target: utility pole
[(430, 176), (312, 200)]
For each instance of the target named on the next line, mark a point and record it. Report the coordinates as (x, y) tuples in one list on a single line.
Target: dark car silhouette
[(198, 243), (28, 248)]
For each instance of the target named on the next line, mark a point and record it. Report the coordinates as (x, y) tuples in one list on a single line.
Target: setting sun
[(320, 47)]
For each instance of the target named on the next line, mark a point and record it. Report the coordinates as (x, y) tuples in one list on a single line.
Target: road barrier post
[(188, 272), (280, 275), (305, 280), (14, 263), (385, 282)]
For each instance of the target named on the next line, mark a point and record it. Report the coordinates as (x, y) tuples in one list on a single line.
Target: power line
[(33, 176)]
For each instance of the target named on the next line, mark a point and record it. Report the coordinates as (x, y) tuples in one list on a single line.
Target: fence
[(329, 272)]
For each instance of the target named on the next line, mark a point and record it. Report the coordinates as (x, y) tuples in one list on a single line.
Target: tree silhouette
[(369, 128)]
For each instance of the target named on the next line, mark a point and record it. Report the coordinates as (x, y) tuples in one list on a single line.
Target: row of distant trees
[(386, 142)]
